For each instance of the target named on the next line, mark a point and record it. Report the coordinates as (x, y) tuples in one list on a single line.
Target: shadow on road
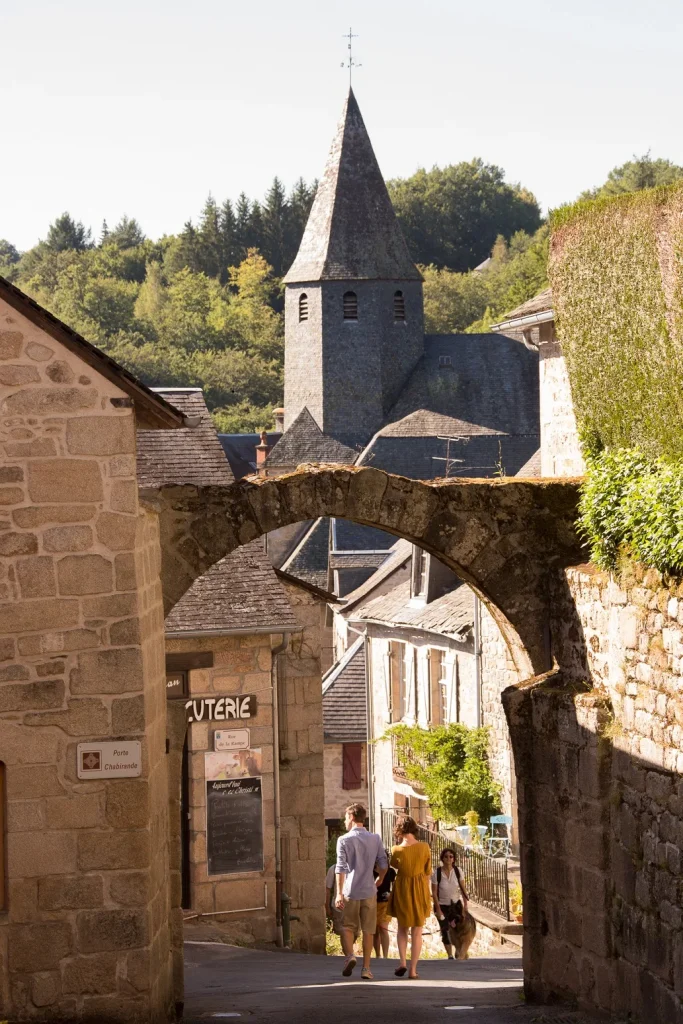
[(230, 983)]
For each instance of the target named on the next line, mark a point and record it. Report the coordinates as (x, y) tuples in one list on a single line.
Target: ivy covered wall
[(616, 269)]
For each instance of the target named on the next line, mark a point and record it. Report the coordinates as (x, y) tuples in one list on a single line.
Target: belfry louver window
[(399, 306), (303, 307), (350, 306)]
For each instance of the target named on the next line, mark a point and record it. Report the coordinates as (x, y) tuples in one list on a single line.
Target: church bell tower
[(354, 325)]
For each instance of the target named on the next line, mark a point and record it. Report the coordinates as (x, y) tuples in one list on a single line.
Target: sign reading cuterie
[(221, 709)]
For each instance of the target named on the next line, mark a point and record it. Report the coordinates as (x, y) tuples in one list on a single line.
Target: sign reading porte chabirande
[(121, 760), (221, 709)]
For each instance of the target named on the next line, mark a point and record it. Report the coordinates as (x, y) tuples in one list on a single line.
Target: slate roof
[(533, 466), (192, 455), (152, 411), (398, 556), (352, 231), (350, 536), (239, 594), (541, 303), (308, 561), (452, 614), (480, 390), (344, 698), (240, 451), (304, 441)]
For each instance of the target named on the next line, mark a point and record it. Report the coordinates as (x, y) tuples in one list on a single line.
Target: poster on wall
[(232, 764), (234, 825)]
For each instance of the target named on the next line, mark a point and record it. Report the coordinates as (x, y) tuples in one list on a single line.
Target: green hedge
[(616, 269), (633, 505)]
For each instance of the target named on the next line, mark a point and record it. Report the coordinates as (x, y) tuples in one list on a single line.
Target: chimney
[(279, 415), (262, 450)]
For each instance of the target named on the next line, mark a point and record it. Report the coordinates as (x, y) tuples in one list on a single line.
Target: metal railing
[(486, 878)]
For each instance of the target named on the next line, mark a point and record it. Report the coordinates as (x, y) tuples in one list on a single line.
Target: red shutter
[(351, 765)]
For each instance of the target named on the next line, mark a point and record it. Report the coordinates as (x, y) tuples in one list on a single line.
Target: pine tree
[(209, 239), (300, 201), (231, 253), (126, 235), (255, 232), (275, 216), (243, 219), (66, 234)]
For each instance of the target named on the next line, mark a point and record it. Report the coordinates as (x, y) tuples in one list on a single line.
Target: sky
[(143, 107)]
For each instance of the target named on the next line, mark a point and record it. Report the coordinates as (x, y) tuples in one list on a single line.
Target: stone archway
[(503, 536)]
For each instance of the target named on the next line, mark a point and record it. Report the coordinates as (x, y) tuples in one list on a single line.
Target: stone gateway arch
[(504, 537)]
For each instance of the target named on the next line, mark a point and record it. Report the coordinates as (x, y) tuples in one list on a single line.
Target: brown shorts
[(360, 915), (337, 923), (383, 915)]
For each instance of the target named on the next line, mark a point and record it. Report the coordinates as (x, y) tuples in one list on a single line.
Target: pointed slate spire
[(352, 231)]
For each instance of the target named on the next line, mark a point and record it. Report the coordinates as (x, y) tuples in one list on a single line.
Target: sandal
[(400, 971)]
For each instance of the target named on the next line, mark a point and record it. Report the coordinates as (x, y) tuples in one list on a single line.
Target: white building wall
[(560, 449)]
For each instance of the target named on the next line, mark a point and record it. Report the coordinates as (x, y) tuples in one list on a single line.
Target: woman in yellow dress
[(410, 897)]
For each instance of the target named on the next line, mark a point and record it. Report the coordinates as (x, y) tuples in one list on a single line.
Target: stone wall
[(301, 772), (85, 930), (337, 799), (498, 672), (601, 798)]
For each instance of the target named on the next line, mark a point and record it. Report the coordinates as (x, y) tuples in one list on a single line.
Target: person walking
[(410, 897), (447, 889), (359, 853), (381, 942)]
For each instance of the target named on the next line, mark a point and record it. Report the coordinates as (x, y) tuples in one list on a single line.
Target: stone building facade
[(85, 926), (242, 662)]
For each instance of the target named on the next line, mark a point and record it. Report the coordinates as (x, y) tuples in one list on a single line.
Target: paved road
[(226, 982)]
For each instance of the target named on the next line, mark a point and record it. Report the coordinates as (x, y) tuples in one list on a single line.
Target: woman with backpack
[(447, 889)]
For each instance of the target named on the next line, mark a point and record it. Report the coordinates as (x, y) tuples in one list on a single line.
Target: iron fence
[(486, 878)]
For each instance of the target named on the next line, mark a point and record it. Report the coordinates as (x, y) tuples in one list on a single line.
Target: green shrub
[(633, 503), (450, 763)]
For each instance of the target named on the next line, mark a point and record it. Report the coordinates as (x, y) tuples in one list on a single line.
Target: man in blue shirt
[(359, 853)]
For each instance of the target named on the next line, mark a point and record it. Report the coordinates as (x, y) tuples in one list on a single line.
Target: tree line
[(204, 307)]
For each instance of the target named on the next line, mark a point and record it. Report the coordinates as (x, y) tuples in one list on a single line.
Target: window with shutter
[(303, 307), (399, 306), (352, 754)]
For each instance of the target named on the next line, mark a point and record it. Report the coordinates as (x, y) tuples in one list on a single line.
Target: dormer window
[(445, 361), (399, 306), (350, 305), (303, 307)]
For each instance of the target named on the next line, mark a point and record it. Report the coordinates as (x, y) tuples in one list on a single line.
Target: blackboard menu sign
[(234, 826)]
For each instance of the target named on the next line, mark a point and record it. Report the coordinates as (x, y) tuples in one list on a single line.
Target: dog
[(462, 929)]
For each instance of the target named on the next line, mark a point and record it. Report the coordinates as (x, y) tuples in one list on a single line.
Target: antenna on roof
[(351, 63)]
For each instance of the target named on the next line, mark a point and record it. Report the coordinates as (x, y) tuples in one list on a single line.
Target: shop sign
[(220, 709), (237, 739)]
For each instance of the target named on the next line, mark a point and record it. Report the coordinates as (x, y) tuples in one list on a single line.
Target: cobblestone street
[(226, 982)]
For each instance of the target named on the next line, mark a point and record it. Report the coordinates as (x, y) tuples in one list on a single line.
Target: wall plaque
[(235, 739), (122, 760), (221, 709)]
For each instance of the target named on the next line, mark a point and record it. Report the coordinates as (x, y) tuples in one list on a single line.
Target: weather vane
[(351, 64)]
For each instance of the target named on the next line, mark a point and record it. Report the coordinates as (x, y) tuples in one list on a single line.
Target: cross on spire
[(351, 63)]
